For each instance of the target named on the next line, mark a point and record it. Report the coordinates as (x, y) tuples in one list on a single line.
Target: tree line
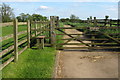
[(7, 15), (73, 18)]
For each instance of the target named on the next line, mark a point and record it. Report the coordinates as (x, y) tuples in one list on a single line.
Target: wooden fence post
[(88, 20), (118, 23), (110, 22), (30, 29), (57, 21), (93, 37), (35, 28), (95, 22), (15, 39), (52, 31), (28, 33), (106, 20)]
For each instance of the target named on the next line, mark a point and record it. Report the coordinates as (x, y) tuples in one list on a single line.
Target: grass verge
[(32, 64)]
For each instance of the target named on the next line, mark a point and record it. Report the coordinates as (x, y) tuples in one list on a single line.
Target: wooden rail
[(11, 24)]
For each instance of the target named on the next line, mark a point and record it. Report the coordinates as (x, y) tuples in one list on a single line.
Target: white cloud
[(44, 7)]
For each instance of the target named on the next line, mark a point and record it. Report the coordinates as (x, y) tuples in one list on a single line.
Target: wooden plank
[(11, 36), (70, 34), (91, 34), (11, 24), (87, 39), (88, 48), (88, 43), (115, 40), (22, 50), (6, 50), (15, 39), (40, 22), (23, 41), (101, 27), (70, 27), (6, 63), (11, 48)]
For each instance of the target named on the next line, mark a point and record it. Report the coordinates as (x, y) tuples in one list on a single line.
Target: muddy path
[(85, 64)]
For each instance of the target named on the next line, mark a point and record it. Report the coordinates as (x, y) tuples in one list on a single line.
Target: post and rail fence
[(34, 29)]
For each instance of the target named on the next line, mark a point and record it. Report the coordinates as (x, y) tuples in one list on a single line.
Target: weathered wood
[(40, 42), (115, 40), (106, 20), (15, 39), (52, 31), (11, 24), (23, 41), (118, 23), (6, 63), (71, 27), (6, 50), (11, 36), (88, 43), (11, 48), (87, 39), (40, 22), (35, 28), (74, 37), (88, 20), (28, 33), (88, 47), (57, 21), (11, 59), (95, 22), (110, 22), (93, 37), (104, 27), (22, 50)]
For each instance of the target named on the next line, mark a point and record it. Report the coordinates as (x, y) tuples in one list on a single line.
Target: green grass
[(32, 64), (9, 29)]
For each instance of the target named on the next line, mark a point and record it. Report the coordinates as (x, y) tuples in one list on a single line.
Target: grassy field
[(108, 31), (9, 29), (32, 64)]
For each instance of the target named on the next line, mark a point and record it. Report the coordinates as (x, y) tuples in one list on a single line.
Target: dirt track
[(82, 64)]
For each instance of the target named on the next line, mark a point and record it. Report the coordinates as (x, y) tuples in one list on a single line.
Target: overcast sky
[(65, 9)]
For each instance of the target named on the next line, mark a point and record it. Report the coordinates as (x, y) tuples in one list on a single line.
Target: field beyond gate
[(98, 33)]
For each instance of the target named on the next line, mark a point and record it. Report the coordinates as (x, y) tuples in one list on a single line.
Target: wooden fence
[(34, 28), (104, 22)]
